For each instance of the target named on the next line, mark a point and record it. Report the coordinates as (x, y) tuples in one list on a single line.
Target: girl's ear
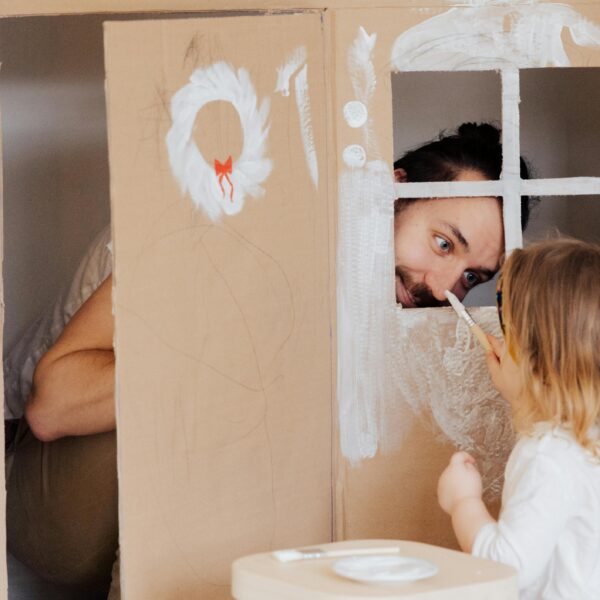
[(400, 175)]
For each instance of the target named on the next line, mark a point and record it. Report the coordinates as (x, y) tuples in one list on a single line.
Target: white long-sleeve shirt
[(549, 525)]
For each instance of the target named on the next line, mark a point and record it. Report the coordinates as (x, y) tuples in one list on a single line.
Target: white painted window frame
[(510, 186)]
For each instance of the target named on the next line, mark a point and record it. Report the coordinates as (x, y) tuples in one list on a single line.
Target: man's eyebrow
[(457, 234)]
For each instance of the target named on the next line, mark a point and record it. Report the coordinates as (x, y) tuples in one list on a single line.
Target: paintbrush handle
[(362, 551), (480, 335), (313, 553)]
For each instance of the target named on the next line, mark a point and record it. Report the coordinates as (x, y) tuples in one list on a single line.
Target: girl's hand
[(460, 480), (504, 372)]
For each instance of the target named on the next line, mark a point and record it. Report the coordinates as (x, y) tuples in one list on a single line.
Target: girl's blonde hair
[(551, 310)]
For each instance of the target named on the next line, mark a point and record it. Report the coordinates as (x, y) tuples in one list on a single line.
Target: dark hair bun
[(484, 133)]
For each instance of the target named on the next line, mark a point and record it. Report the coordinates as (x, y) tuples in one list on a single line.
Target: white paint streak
[(362, 76), (475, 38), (568, 186), (448, 189), (193, 173), (362, 72), (354, 156), (306, 129), (366, 305), (511, 166), (284, 73), (355, 113)]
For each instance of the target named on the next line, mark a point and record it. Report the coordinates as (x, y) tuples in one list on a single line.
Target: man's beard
[(420, 292)]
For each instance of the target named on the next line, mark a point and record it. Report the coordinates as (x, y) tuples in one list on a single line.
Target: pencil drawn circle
[(355, 113), (219, 186)]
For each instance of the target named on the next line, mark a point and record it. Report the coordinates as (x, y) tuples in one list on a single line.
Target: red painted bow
[(223, 170)]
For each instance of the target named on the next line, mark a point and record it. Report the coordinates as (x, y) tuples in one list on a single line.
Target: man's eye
[(471, 279), (443, 244)]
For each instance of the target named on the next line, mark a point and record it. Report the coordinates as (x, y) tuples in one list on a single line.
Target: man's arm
[(73, 384)]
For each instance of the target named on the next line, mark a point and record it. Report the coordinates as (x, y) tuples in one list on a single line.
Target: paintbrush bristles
[(456, 304), (462, 312)]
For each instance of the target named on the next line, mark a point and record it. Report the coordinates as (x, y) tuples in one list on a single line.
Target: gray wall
[(55, 157)]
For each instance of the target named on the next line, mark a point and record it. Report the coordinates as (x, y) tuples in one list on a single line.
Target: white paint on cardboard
[(221, 188), (354, 156), (306, 128), (477, 38), (364, 81), (285, 71), (355, 113)]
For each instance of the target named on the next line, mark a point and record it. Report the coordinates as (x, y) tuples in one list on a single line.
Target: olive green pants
[(61, 508)]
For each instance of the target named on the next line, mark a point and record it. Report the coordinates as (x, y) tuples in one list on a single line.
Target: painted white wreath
[(223, 186)]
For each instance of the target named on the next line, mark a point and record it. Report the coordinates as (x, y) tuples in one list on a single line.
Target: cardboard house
[(270, 391)]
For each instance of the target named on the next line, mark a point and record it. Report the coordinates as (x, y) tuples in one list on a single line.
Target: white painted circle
[(383, 568), (217, 195), (354, 156), (355, 113)]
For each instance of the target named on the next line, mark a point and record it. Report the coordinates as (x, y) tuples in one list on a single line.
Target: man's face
[(446, 244)]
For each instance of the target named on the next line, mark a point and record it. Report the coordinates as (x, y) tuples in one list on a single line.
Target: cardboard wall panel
[(393, 493), (223, 336), (225, 329)]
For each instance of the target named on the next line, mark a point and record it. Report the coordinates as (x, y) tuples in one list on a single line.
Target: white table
[(460, 577)]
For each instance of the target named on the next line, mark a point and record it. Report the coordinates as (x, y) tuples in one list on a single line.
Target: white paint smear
[(511, 161), (568, 186), (448, 189), (284, 73), (362, 76), (306, 130), (365, 301), (354, 156), (362, 72), (475, 38), (394, 364), (213, 193), (355, 113)]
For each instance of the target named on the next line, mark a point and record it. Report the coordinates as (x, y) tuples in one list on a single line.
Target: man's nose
[(446, 279)]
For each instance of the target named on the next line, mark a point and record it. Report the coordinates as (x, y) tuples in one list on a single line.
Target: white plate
[(384, 568)]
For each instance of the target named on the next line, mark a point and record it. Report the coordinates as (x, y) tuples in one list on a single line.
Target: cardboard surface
[(54, 7), (223, 339), (225, 331), (394, 493)]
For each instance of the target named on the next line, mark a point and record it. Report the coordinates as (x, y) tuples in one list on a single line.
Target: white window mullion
[(566, 186), (448, 189), (511, 168)]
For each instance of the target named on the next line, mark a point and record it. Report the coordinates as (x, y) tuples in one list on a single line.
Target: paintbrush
[(462, 312), (310, 553)]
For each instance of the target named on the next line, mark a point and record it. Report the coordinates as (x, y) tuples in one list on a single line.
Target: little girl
[(548, 369)]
